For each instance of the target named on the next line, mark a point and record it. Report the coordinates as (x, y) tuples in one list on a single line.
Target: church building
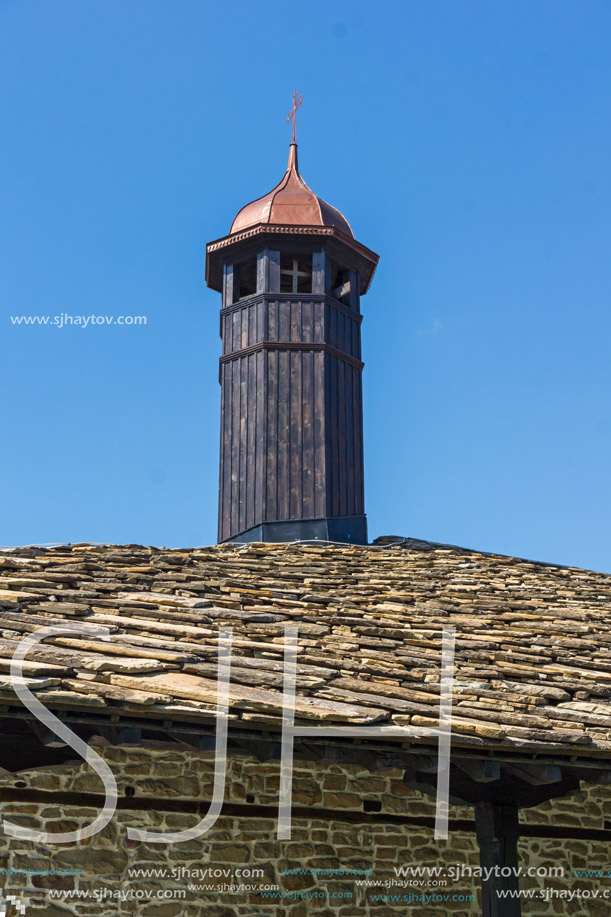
[(170, 669)]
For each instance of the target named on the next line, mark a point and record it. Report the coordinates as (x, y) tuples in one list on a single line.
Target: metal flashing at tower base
[(338, 529)]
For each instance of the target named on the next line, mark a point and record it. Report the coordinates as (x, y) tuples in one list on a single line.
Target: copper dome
[(290, 203)]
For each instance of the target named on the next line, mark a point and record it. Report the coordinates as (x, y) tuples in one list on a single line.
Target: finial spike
[(297, 100)]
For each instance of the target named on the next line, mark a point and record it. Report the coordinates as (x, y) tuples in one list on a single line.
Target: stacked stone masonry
[(155, 779)]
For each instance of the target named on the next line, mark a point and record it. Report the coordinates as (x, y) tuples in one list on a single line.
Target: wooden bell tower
[(291, 276)]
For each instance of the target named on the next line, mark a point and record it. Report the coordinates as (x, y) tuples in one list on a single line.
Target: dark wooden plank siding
[(354, 279), (320, 447), (342, 440), (227, 336), (308, 449), (273, 269), (271, 410), (296, 322), (252, 324), (307, 321), (356, 340), (244, 317), (251, 440), (262, 262), (295, 432), (261, 332), (272, 321), (284, 320), (357, 401), (291, 424), (319, 322), (225, 462), (260, 434), (349, 396), (236, 330), (333, 437), (235, 445), (341, 332), (320, 272), (333, 328), (228, 284), (243, 445), (283, 399)]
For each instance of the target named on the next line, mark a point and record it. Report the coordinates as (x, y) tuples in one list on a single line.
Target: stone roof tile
[(533, 652)]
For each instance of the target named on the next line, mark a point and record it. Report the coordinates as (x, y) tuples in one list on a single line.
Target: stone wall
[(161, 790)]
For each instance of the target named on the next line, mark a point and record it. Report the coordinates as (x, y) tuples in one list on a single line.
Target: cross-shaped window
[(295, 274)]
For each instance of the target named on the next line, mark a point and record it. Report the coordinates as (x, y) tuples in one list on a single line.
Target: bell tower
[(291, 275)]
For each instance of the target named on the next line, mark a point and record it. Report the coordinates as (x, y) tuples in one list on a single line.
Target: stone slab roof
[(533, 645)]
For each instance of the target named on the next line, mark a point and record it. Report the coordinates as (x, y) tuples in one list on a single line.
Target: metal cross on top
[(297, 100)]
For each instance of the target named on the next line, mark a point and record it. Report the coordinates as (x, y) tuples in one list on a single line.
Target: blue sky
[(468, 143)]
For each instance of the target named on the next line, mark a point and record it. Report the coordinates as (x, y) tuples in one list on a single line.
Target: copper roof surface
[(533, 649), (290, 203)]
